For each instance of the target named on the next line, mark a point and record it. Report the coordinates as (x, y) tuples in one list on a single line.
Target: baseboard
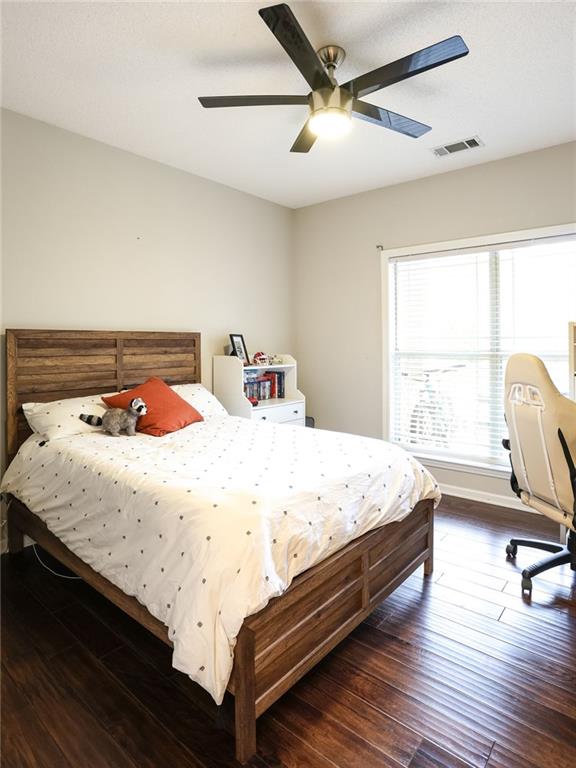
[(488, 498)]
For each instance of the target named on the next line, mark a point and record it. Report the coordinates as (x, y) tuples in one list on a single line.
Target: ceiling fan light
[(330, 112), (330, 123)]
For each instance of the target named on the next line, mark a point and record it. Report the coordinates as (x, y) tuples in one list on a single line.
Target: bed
[(279, 643)]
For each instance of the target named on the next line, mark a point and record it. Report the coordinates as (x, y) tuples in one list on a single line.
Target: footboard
[(278, 645)]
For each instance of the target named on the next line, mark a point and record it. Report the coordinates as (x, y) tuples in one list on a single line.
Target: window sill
[(460, 465)]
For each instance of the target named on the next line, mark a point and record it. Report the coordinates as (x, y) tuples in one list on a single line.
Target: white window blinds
[(455, 319)]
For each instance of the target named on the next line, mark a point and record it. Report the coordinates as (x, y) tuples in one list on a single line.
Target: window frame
[(484, 242)]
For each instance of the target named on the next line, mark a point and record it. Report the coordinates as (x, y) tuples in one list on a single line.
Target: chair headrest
[(529, 369)]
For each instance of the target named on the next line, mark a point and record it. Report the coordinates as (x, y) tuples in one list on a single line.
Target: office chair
[(542, 444)]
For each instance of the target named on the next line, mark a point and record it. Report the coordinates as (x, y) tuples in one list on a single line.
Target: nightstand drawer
[(280, 413)]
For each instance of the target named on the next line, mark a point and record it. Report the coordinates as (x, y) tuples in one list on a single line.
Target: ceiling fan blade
[(304, 140), (421, 61), (289, 33), (386, 119), (250, 101)]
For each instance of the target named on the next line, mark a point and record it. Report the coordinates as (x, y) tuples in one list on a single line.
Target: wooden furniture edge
[(248, 706), (22, 521), (29, 384)]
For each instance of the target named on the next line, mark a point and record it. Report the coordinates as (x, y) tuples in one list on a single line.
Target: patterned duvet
[(205, 525)]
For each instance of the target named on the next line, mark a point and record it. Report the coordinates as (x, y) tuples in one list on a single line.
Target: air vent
[(458, 146)]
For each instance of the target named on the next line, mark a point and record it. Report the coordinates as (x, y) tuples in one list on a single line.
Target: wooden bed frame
[(276, 646)]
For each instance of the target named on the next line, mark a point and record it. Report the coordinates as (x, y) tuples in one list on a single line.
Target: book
[(264, 386), (271, 377)]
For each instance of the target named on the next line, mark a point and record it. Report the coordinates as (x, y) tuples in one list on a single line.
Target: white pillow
[(200, 398), (60, 418)]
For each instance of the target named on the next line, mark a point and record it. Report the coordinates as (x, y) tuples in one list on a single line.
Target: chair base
[(562, 555)]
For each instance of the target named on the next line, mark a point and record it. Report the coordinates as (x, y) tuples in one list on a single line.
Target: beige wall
[(95, 237), (338, 296)]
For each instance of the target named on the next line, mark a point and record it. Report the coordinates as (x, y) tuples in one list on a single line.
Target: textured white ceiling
[(128, 74)]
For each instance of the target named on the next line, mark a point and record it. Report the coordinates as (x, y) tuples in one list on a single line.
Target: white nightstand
[(230, 377)]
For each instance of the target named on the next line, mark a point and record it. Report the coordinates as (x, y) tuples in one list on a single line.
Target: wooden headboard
[(52, 365)]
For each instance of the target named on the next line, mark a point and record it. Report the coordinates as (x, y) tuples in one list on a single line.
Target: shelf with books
[(274, 387), (266, 384)]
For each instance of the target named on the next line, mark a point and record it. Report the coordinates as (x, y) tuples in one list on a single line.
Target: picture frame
[(239, 347)]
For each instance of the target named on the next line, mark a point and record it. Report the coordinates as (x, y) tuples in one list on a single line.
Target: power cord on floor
[(43, 564)]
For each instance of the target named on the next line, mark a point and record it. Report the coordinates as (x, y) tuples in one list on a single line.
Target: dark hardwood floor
[(457, 670)]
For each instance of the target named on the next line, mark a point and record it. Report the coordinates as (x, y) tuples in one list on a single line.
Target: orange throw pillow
[(167, 411)]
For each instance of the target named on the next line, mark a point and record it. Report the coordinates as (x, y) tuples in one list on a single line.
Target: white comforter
[(205, 525)]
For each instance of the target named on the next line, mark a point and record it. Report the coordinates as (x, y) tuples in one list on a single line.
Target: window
[(455, 318)]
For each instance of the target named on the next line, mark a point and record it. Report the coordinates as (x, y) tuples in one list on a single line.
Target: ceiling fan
[(332, 105)]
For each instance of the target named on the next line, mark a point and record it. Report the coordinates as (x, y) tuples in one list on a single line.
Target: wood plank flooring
[(450, 672)]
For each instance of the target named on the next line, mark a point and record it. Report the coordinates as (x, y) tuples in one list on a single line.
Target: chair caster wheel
[(511, 550), (527, 585)]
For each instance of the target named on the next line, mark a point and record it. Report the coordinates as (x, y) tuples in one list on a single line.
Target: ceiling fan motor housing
[(331, 56), (331, 99)]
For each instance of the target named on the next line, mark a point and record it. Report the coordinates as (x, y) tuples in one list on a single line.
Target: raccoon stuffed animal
[(116, 420)]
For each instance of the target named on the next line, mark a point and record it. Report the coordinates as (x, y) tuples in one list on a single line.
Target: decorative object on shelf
[(261, 358), (254, 401), (239, 347)]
